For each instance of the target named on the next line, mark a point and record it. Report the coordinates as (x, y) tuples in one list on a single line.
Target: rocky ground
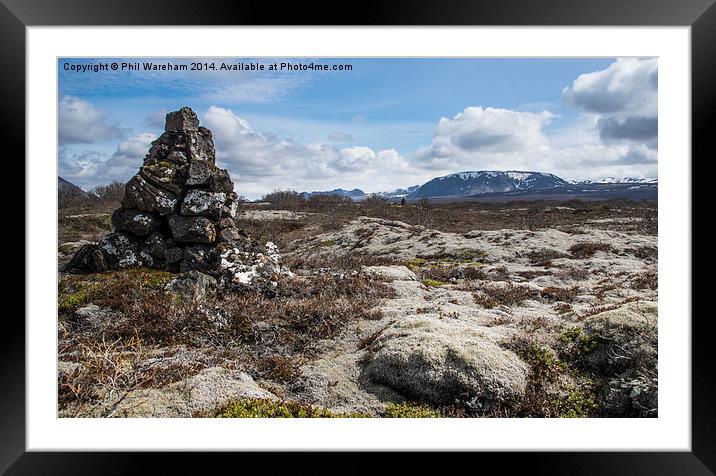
[(405, 312)]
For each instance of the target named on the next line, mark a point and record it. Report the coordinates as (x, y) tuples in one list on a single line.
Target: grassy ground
[(114, 350)]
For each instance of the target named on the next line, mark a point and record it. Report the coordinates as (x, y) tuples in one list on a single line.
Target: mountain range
[(496, 185), (513, 185)]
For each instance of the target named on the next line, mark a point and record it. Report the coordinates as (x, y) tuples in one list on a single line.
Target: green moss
[(434, 282), (578, 342), (468, 259), (264, 408), (108, 289), (410, 410), (549, 394), (71, 302), (579, 402), (150, 278), (416, 262), (328, 243)]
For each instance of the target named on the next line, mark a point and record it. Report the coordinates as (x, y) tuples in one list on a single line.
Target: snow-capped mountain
[(512, 185), (632, 180), (399, 193), (355, 194), (359, 195), (487, 181)]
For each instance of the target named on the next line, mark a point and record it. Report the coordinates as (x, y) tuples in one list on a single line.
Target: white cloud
[(480, 138), (474, 139), (81, 122), (623, 98), (491, 129), (90, 168), (628, 86), (615, 134), (129, 156), (264, 162)]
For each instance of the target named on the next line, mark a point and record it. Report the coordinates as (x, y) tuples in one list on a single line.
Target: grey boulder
[(221, 181), (192, 229), (200, 173), (165, 174), (182, 120), (155, 246), (116, 250), (135, 221), (200, 145), (141, 194), (446, 361), (192, 286), (203, 203)]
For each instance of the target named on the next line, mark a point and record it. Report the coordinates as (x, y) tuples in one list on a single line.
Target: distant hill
[(493, 185), (359, 195), (355, 194), (68, 187), (399, 193), (624, 180), (487, 181)]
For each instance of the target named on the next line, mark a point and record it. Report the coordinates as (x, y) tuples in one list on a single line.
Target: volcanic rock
[(135, 221), (141, 194), (203, 203), (192, 229), (182, 120)]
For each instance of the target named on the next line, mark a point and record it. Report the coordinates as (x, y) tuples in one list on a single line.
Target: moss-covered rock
[(441, 362)]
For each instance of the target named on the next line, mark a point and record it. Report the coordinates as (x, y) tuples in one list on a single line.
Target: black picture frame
[(16, 15)]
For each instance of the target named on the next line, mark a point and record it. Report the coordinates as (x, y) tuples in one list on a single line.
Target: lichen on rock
[(446, 362)]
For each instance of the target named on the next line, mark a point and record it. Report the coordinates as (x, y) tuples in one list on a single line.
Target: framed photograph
[(421, 229)]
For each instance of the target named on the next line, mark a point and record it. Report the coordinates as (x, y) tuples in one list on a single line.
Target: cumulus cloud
[(476, 138), (624, 97), (480, 138), (491, 129), (90, 168), (128, 157), (614, 135), (81, 122), (632, 128), (79, 167), (262, 162), (629, 85)]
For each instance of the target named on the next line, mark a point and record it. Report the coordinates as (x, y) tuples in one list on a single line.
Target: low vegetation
[(410, 410), (120, 332), (492, 295), (263, 408), (588, 249), (271, 334), (554, 387)]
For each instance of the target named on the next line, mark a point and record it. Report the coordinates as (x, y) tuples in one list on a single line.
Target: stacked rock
[(178, 214)]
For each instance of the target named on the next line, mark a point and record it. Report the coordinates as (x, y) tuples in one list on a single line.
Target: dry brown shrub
[(279, 368), (588, 249), (509, 295), (553, 294), (645, 280), (544, 256)]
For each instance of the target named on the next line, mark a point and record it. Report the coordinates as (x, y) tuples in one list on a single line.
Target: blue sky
[(386, 123)]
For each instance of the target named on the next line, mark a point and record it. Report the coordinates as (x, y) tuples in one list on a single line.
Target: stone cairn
[(178, 214)]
